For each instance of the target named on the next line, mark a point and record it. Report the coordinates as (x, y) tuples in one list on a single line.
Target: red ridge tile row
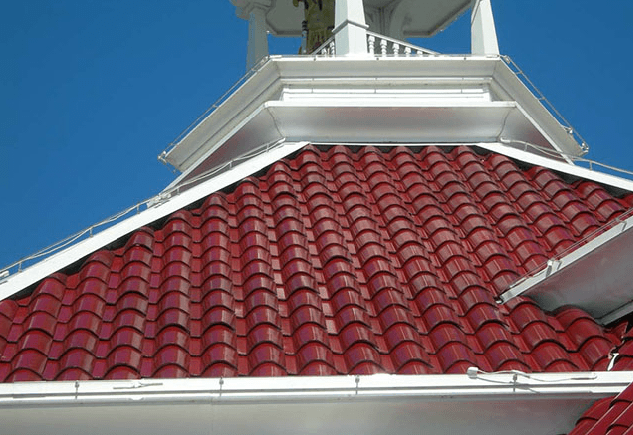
[(333, 262)]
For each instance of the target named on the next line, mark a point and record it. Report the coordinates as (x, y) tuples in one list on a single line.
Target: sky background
[(92, 91)]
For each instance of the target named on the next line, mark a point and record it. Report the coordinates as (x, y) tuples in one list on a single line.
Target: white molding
[(482, 387)]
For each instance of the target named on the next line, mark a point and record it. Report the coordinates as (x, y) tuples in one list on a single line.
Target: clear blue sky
[(92, 91)]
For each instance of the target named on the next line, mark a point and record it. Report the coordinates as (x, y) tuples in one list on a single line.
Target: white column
[(257, 36), (350, 28), (482, 29)]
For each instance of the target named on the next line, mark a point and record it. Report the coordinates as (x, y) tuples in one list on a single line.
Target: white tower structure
[(398, 19), (367, 84)]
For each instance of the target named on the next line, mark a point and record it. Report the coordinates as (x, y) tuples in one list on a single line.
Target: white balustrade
[(371, 43), (379, 45), (393, 47)]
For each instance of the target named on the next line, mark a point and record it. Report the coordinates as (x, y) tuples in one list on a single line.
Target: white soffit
[(422, 17), (595, 277), (488, 404)]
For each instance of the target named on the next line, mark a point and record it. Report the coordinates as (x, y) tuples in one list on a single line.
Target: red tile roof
[(332, 262), (624, 357), (612, 416)]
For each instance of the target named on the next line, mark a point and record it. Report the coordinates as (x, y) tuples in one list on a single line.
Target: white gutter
[(595, 277), (482, 386), (479, 403)]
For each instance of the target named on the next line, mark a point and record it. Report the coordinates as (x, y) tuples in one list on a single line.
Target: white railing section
[(378, 45), (383, 46), (328, 48)]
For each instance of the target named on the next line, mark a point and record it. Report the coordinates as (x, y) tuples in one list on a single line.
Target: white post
[(257, 35), (482, 29), (350, 28)]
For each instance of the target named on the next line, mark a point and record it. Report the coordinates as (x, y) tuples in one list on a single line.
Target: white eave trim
[(595, 276), (369, 405)]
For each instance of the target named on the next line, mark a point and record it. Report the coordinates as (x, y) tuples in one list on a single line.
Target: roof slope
[(612, 415), (334, 261)]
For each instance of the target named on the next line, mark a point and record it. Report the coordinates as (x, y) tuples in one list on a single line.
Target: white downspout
[(482, 29), (350, 28)]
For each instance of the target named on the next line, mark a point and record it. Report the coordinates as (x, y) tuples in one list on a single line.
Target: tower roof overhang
[(423, 17), (430, 99)]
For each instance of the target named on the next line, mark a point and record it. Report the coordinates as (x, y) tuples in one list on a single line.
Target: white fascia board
[(407, 122), (488, 404), (251, 135), (162, 207), (595, 277)]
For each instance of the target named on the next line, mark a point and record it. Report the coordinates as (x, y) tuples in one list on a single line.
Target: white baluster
[(371, 40), (407, 51), (383, 47), (333, 48), (396, 49)]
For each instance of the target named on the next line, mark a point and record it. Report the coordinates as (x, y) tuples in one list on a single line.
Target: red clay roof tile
[(333, 262)]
